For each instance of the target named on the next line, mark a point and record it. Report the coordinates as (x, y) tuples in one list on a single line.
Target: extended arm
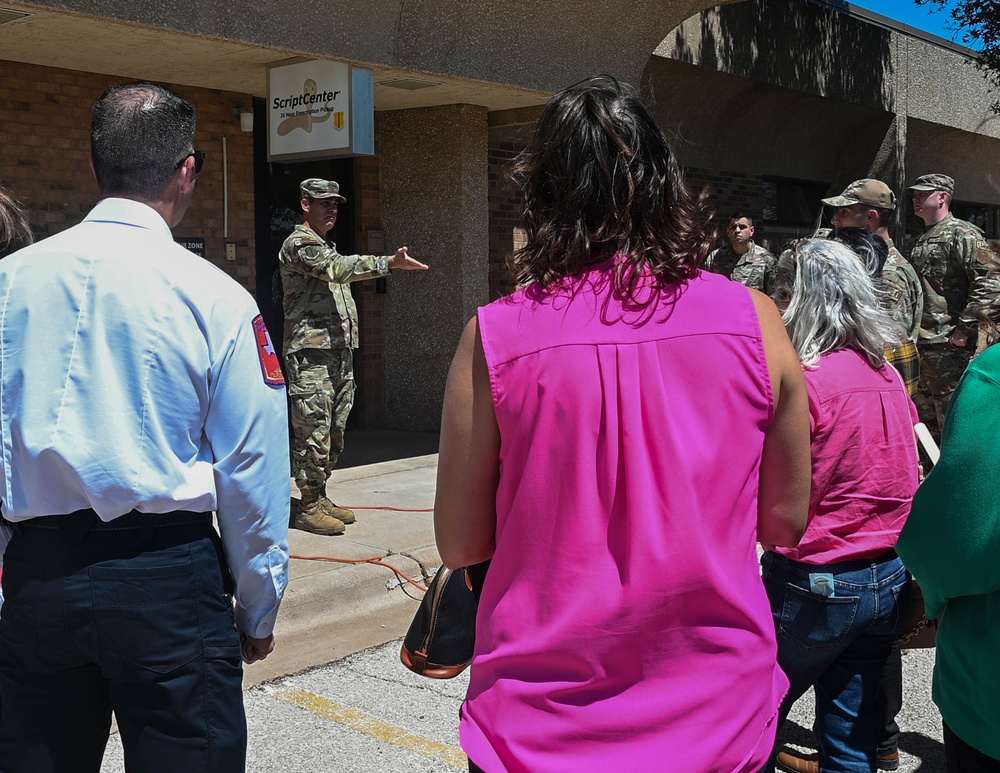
[(307, 253), (469, 459), (783, 500), (351, 268)]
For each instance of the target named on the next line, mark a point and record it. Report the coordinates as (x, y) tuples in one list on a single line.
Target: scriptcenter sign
[(318, 110)]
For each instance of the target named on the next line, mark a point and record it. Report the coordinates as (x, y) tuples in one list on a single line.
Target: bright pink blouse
[(623, 624), (864, 460)]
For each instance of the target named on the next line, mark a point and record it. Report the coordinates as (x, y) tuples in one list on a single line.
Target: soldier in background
[(952, 260), (869, 204), (321, 334), (743, 260)]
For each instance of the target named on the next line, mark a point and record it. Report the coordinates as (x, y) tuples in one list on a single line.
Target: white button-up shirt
[(132, 378)]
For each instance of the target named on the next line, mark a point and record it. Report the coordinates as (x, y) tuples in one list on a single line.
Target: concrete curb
[(332, 609)]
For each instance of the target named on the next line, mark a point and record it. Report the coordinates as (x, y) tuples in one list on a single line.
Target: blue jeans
[(839, 644), (132, 621)]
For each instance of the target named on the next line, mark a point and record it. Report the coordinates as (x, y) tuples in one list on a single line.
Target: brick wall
[(729, 192), (505, 216), (44, 158), (369, 217)]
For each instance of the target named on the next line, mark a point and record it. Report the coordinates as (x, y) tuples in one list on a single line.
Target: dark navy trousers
[(138, 621)]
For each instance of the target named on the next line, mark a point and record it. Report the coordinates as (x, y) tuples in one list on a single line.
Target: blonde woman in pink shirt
[(835, 595), (616, 437)]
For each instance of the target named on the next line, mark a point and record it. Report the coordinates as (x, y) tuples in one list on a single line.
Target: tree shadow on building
[(793, 91), (796, 45)]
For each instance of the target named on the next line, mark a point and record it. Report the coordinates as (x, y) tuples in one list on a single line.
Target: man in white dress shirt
[(139, 392)]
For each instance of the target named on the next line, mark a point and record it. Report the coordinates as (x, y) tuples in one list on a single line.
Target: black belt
[(850, 565), (88, 520)]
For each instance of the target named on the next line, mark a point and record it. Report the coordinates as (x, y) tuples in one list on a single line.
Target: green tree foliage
[(979, 23)]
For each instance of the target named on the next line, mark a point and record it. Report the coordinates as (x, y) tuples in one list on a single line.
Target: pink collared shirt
[(864, 460)]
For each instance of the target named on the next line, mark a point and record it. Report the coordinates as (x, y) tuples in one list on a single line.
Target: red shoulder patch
[(269, 364)]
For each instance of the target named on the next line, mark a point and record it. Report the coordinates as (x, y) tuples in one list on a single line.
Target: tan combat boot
[(311, 515), (340, 513)]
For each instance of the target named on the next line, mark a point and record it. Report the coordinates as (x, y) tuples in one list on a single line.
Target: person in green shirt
[(950, 543)]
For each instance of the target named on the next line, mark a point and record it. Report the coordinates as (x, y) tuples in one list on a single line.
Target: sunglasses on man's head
[(199, 160)]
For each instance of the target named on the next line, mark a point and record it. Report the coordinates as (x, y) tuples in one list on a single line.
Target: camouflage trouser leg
[(342, 376), (321, 390), (941, 366)]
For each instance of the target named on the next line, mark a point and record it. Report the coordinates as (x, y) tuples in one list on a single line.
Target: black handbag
[(442, 637)]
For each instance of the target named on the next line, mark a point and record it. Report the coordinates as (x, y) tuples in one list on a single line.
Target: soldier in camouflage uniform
[(742, 260), (952, 260), (321, 334), (869, 204)]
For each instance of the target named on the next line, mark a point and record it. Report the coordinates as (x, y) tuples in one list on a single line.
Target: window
[(978, 214), (792, 209)]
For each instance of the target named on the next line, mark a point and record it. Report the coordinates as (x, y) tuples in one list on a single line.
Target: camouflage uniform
[(900, 295), (757, 268), (321, 334), (951, 259)]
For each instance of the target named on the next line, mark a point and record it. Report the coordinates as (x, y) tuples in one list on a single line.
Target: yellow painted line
[(373, 727)]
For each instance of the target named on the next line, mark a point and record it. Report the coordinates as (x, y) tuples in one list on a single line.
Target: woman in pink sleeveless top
[(616, 437)]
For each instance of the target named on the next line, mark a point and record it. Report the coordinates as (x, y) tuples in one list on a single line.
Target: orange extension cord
[(377, 560)]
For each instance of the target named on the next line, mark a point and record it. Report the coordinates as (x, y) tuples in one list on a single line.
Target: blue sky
[(921, 17)]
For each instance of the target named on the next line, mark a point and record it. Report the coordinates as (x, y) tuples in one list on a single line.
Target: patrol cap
[(934, 182), (316, 188), (873, 193)]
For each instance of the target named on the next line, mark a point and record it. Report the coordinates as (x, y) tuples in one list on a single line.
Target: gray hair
[(832, 304)]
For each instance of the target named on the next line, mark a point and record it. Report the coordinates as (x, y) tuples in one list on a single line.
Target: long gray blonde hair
[(832, 304)]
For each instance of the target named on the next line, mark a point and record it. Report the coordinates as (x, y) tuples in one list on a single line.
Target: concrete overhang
[(73, 42), (498, 54), (818, 50), (723, 121)]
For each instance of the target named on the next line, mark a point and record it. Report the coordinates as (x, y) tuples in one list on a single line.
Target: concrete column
[(889, 166), (435, 201)]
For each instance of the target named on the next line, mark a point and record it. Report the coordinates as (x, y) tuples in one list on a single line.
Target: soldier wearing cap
[(869, 204), (743, 260), (321, 334), (952, 261)]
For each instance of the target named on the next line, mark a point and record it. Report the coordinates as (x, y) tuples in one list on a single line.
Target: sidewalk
[(333, 609)]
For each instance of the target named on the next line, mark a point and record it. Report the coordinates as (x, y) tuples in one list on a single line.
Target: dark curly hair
[(600, 179), (15, 232)]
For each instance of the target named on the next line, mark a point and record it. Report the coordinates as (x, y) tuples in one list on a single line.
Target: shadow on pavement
[(929, 752), (794, 734), (363, 447)]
